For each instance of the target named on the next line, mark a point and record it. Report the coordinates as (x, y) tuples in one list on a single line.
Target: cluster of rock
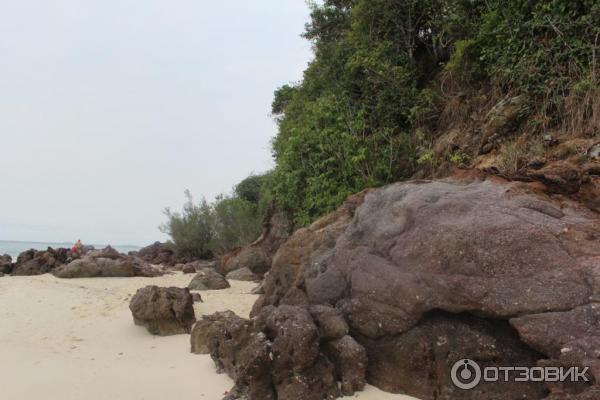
[(208, 279), (107, 262), (286, 352), (34, 262), (402, 282), (498, 141), (63, 263), (161, 254)]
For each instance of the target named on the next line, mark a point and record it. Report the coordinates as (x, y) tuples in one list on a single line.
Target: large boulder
[(428, 273), (34, 262), (163, 311), (6, 264), (208, 279), (243, 274)]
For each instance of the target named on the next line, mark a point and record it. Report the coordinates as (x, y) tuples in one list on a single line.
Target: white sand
[(75, 339)]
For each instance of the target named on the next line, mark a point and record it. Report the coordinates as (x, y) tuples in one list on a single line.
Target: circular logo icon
[(466, 374)]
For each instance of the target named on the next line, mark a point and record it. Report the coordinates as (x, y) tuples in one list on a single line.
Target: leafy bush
[(375, 81), (192, 230), (236, 223), (206, 229)]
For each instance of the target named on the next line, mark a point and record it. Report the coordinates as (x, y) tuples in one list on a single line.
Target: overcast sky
[(110, 109)]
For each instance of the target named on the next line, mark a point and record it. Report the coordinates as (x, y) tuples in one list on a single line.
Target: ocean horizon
[(15, 247)]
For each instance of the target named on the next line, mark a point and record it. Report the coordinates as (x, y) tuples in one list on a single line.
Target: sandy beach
[(75, 339)]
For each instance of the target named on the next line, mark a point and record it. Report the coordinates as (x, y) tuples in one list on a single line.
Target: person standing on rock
[(77, 247)]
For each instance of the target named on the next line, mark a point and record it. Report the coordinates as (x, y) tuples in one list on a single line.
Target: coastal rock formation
[(277, 355), (423, 274), (6, 264), (34, 262), (242, 274), (106, 263), (257, 256), (163, 311), (208, 279), (161, 254)]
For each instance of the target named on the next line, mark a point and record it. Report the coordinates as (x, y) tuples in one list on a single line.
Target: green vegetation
[(388, 77), (205, 229), (377, 79)]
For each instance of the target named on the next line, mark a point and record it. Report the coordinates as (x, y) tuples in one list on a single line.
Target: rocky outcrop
[(163, 311), (243, 274), (106, 263), (424, 274), (6, 264), (284, 282), (208, 279), (160, 254), (277, 355), (34, 262), (257, 256)]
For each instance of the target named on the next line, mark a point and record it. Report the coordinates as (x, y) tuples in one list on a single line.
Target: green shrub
[(191, 230), (206, 229)]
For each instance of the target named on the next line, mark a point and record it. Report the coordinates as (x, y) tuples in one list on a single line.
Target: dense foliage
[(358, 117), (205, 229)]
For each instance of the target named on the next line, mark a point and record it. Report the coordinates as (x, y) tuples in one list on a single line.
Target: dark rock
[(107, 252), (350, 361), (252, 258), (1, 274), (276, 357), (428, 273), (188, 269), (89, 267), (163, 311), (208, 279), (161, 254), (106, 263), (197, 298), (560, 177), (33, 262), (330, 322), (306, 244), (243, 274), (6, 264), (240, 351)]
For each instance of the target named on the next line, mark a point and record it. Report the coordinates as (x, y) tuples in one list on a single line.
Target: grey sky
[(109, 109)]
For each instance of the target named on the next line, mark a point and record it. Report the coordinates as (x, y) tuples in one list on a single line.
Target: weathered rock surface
[(428, 273), (33, 262), (106, 263), (257, 256), (6, 264), (274, 357), (208, 279), (161, 254), (163, 311), (243, 274)]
